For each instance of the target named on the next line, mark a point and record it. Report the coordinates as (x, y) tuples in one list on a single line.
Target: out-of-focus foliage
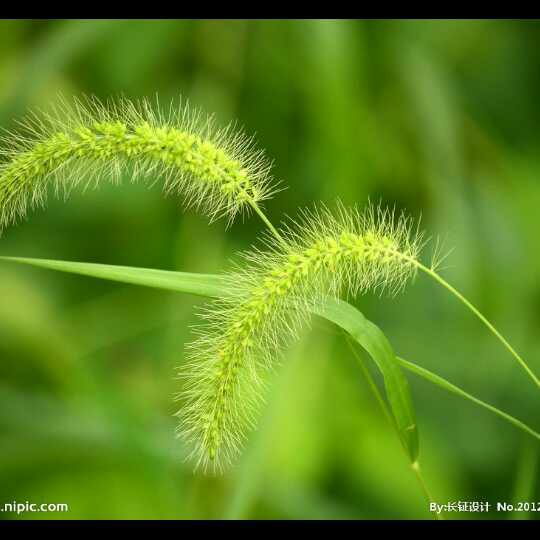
[(437, 117)]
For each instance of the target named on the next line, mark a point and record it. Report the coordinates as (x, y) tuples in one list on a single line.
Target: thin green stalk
[(415, 466), (430, 272), (431, 377), (371, 383), (268, 223), (525, 480), (458, 295)]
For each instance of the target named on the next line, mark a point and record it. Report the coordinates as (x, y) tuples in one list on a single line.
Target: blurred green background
[(440, 118)]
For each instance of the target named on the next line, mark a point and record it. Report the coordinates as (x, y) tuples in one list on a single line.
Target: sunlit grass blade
[(199, 284)]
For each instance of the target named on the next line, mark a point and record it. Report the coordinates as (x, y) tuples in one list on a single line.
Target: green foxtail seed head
[(323, 254), (217, 170)]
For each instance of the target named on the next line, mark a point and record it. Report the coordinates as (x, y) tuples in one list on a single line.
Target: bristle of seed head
[(324, 253), (216, 170)]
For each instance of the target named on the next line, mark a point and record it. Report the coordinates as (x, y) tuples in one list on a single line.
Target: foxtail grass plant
[(322, 255), (273, 288), (216, 170)]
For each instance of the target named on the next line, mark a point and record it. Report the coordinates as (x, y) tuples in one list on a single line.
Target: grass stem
[(268, 223), (414, 465), (458, 295), (417, 471), (430, 272)]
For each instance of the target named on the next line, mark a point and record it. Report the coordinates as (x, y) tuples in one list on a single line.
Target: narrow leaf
[(351, 320), (443, 383), (368, 336), (371, 338), (200, 284)]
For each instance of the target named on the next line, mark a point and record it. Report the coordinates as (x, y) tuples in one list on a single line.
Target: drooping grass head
[(324, 254), (83, 141)]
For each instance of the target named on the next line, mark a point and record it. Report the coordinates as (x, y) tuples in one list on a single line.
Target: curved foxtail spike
[(83, 141), (322, 254)]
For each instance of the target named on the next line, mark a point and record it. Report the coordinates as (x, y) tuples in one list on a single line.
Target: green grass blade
[(199, 284), (371, 338), (349, 318), (443, 383)]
